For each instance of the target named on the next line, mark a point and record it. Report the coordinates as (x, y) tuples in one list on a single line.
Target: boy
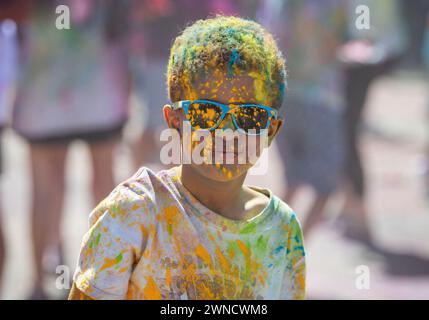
[(195, 231)]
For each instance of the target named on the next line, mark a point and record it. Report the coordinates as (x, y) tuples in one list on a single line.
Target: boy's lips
[(228, 156), (230, 152), (227, 152)]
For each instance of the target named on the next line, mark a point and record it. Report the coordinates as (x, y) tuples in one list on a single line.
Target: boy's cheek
[(180, 124)]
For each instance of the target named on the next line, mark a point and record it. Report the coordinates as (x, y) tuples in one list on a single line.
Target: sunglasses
[(205, 114)]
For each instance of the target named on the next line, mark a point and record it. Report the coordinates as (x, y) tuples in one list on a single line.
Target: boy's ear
[(274, 128), (172, 117)]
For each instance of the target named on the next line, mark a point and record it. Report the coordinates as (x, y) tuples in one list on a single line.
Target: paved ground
[(393, 150)]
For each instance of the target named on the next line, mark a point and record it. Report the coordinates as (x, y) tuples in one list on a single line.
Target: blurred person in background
[(155, 23), (415, 14), (311, 143), (426, 44), (417, 19), (9, 13), (426, 71), (368, 54), (73, 85)]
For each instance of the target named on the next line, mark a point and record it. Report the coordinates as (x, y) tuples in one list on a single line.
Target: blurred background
[(80, 111)]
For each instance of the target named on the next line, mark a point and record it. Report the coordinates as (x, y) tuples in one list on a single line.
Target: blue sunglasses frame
[(226, 109)]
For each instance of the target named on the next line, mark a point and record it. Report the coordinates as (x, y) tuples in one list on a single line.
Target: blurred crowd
[(88, 82)]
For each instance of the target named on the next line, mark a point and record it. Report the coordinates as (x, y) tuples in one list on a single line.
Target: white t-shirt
[(151, 239)]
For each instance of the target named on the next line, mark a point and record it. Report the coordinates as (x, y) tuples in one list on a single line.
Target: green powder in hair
[(230, 44)]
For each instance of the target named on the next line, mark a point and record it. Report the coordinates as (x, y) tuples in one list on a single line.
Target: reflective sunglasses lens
[(204, 115), (252, 119)]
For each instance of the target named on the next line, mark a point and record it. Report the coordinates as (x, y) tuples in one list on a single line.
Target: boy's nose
[(227, 123)]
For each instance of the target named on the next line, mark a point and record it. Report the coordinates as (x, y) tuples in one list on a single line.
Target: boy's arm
[(111, 246), (297, 254), (76, 294), (294, 283)]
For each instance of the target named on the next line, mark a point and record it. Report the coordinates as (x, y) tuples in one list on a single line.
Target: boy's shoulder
[(285, 212), (134, 196), (291, 227)]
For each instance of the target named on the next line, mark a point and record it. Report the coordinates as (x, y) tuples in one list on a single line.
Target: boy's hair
[(227, 43)]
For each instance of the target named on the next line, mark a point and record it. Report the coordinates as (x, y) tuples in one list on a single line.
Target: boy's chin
[(222, 172)]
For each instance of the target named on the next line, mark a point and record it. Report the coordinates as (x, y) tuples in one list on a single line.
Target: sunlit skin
[(220, 187)]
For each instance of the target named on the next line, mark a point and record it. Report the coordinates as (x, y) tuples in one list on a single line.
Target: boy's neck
[(218, 196)]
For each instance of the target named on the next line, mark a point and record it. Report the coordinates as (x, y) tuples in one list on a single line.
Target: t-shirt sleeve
[(113, 244), (294, 281)]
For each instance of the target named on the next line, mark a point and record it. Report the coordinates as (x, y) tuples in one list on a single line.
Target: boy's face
[(237, 89)]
